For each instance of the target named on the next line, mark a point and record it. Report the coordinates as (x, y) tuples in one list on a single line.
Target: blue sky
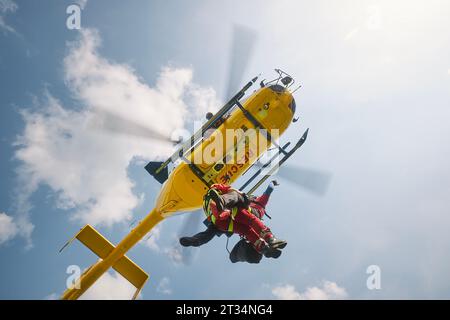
[(375, 96)]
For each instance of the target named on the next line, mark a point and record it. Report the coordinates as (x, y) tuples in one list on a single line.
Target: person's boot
[(269, 252), (273, 242), (215, 196), (187, 241), (262, 247), (276, 243)]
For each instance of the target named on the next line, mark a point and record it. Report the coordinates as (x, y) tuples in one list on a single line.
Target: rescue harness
[(234, 211)]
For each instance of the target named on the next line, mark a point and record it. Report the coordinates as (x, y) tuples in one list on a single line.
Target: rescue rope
[(226, 246)]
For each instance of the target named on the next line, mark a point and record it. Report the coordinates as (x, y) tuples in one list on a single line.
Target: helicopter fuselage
[(219, 161)]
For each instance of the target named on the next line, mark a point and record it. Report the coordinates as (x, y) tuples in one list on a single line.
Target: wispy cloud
[(327, 291), (175, 254), (7, 7), (164, 286), (11, 227), (8, 228), (152, 240)]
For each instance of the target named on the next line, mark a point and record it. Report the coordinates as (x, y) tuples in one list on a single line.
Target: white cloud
[(328, 291), (164, 286), (6, 7), (175, 254), (110, 286), (8, 228), (286, 292), (85, 167), (151, 240), (202, 100)]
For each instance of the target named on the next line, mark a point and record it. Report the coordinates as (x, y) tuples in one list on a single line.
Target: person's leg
[(234, 199), (250, 234), (246, 218), (259, 245), (199, 238), (228, 200), (263, 199)]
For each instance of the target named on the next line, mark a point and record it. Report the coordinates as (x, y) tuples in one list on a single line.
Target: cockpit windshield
[(277, 88), (292, 105)]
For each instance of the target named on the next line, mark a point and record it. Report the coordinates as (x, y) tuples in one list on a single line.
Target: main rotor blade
[(191, 223), (242, 46), (312, 180), (117, 124)]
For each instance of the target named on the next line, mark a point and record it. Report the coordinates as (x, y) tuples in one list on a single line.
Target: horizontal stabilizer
[(98, 244), (152, 168)]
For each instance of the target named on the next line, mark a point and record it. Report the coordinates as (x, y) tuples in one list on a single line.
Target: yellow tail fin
[(98, 244)]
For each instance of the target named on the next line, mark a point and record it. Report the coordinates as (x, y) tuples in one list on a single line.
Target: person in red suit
[(231, 211)]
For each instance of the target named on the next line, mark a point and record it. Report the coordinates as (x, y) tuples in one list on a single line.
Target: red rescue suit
[(240, 220)]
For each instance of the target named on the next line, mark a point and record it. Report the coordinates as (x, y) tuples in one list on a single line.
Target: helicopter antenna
[(299, 86)]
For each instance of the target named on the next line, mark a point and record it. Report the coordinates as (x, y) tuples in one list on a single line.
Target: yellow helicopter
[(269, 109)]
